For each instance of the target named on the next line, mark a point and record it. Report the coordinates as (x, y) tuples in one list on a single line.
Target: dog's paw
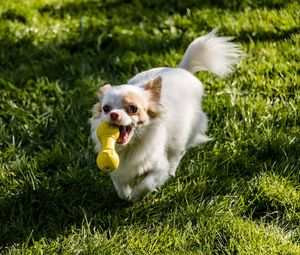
[(134, 197), (138, 194)]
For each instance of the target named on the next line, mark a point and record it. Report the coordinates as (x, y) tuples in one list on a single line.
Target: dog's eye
[(106, 108), (132, 109)]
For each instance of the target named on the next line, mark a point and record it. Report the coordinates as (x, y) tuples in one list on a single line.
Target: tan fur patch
[(97, 108), (132, 98), (153, 88), (140, 102), (155, 109), (97, 111)]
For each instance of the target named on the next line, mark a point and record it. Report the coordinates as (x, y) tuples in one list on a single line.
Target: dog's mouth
[(125, 132)]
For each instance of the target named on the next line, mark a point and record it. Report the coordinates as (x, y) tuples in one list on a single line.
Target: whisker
[(138, 134)]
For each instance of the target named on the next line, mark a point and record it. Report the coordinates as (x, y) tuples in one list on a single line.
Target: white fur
[(211, 53), (155, 150)]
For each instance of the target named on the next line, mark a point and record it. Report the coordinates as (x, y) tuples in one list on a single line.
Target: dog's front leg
[(151, 182), (124, 190)]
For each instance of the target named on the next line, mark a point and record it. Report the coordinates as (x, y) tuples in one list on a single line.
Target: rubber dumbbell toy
[(108, 159)]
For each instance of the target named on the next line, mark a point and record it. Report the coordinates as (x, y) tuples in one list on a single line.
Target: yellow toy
[(108, 159)]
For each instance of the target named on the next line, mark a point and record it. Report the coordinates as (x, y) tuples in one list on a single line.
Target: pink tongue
[(123, 133)]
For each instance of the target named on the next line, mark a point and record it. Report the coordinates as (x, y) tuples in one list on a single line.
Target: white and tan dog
[(160, 116)]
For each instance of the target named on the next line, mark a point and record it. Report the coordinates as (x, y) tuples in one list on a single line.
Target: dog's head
[(129, 107)]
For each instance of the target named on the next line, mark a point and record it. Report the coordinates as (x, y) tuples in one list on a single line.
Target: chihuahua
[(159, 115)]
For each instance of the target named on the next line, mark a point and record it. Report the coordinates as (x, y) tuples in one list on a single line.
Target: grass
[(239, 194)]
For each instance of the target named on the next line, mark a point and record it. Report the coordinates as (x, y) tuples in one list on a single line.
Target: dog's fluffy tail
[(212, 53)]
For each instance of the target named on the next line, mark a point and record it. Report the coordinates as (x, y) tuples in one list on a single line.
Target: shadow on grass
[(139, 9), (263, 36), (53, 208), (77, 58), (66, 196), (82, 54)]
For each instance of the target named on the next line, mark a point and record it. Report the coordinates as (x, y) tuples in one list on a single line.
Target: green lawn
[(238, 194)]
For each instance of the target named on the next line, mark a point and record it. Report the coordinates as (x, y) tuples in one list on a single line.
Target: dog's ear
[(97, 109), (102, 90), (154, 88)]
